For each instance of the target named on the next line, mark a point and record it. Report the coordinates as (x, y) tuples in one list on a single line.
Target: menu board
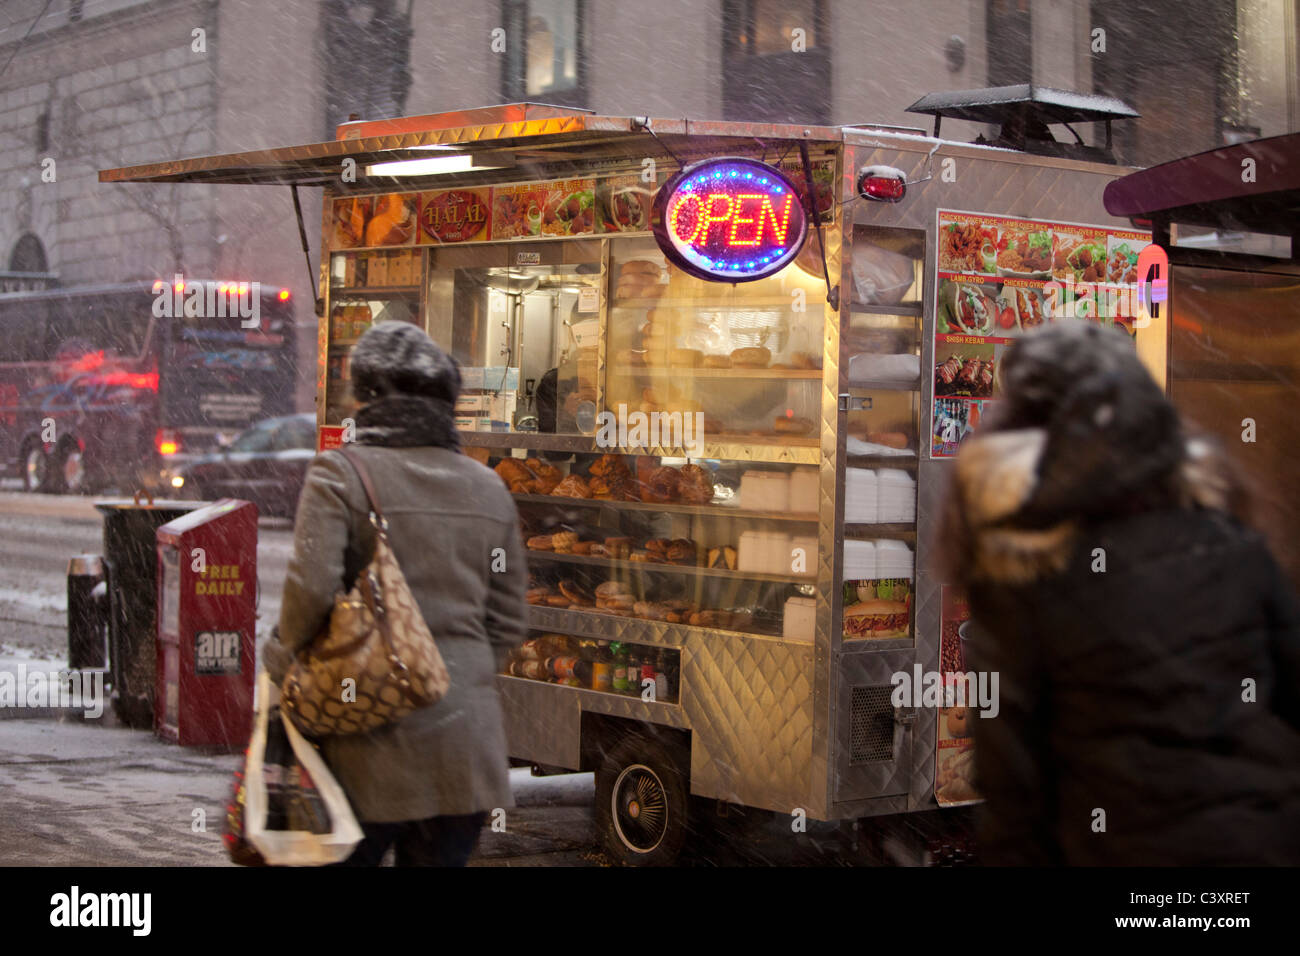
[(536, 210), (454, 215), (369, 221), (954, 761), (532, 210), (1000, 277)]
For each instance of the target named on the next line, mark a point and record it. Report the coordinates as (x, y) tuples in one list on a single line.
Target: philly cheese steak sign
[(731, 220)]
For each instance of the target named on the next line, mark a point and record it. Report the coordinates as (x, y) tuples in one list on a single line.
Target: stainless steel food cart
[(495, 255)]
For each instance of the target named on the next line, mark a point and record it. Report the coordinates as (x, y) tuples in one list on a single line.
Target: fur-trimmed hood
[(993, 529), (1083, 436)]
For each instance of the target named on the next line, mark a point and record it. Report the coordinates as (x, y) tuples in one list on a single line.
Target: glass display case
[(365, 287), (658, 432), (881, 402)]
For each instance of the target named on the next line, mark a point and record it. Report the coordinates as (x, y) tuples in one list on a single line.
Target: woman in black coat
[(1147, 645)]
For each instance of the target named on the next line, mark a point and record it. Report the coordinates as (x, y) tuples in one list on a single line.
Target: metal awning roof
[(1210, 188), (997, 104), (526, 133)]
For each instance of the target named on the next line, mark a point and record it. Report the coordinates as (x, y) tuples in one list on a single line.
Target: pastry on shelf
[(618, 547), (662, 485), (682, 551), (722, 558), (755, 357), (792, 425), (695, 485), (547, 476), (607, 465), (573, 486), (614, 596), (806, 360), (639, 279), (657, 549), (577, 594), (513, 470)]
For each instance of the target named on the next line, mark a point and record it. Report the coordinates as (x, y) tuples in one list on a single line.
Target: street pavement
[(91, 792)]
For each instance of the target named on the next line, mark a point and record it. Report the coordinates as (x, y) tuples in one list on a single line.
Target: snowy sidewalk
[(90, 793)]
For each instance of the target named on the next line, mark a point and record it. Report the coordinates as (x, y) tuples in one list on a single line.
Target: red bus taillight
[(167, 441)]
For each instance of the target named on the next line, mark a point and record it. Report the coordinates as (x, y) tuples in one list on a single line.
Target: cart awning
[(519, 134), (1214, 188)]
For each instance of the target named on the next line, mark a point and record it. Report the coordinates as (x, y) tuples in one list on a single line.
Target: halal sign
[(733, 220)]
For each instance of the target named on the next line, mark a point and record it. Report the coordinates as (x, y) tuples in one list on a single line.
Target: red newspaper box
[(207, 595)]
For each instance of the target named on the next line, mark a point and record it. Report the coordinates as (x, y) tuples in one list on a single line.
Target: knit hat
[(398, 358)]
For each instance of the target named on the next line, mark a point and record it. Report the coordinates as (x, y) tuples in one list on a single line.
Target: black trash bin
[(87, 613), (131, 574)]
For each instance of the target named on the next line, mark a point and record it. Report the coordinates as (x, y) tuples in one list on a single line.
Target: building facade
[(101, 83)]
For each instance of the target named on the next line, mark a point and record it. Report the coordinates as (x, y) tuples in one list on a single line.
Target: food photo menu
[(1000, 277)]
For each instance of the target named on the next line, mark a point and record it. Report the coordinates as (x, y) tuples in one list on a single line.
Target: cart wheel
[(642, 802), (36, 467), (68, 471)]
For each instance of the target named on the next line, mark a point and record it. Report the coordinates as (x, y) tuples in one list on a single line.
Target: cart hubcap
[(640, 807), (35, 466), (74, 470)]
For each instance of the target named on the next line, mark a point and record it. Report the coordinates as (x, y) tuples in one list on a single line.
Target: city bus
[(115, 385)]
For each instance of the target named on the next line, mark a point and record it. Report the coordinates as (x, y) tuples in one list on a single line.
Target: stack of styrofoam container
[(797, 623), (767, 552), (895, 496), (894, 559), (808, 543), (860, 495), (859, 560), (803, 490), (765, 491)]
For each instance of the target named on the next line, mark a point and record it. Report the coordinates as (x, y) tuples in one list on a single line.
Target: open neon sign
[(732, 220)]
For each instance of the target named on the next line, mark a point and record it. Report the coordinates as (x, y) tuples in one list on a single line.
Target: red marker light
[(179, 287), (159, 285), (881, 188), (284, 295)]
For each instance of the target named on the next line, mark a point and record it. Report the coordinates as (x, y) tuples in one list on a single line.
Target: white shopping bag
[(294, 847)]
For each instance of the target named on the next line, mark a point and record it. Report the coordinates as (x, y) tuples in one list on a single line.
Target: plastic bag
[(880, 277), (295, 812)]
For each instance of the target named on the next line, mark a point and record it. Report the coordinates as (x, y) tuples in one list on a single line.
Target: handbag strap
[(368, 486)]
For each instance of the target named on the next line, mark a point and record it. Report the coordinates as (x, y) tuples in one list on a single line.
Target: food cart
[(725, 415), (1227, 220)]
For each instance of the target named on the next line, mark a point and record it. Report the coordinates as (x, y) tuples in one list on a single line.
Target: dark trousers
[(437, 841)]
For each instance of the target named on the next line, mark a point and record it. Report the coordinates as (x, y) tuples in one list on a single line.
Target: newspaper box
[(207, 593)]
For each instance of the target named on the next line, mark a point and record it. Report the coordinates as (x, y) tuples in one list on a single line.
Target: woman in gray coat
[(425, 784)]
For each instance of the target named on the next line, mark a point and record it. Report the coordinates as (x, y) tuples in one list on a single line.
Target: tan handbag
[(377, 638)]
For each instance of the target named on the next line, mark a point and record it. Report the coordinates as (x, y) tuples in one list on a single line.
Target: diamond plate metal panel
[(543, 722), (858, 780), (631, 708), (749, 703)]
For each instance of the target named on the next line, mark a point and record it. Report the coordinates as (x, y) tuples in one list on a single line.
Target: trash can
[(131, 575), (87, 613)]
